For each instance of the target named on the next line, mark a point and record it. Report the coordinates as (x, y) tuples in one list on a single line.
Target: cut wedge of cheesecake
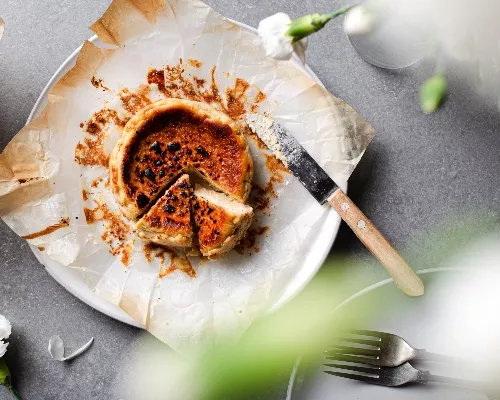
[(168, 222), (220, 221)]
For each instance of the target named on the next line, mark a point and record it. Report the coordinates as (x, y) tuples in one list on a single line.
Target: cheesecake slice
[(168, 222), (220, 221)]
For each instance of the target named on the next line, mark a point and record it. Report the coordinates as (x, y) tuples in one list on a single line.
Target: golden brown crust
[(218, 228), (173, 136), (168, 222)]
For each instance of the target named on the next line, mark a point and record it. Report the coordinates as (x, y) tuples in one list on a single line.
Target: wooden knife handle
[(404, 277)]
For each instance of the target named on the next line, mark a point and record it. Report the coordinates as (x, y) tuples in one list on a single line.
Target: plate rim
[(362, 292), (87, 296)]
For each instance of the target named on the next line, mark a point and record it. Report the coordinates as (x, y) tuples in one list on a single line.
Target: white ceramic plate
[(72, 282), (455, 317)]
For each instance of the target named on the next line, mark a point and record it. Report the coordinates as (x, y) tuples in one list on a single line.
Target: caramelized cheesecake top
[(168, 222), (169, 138)]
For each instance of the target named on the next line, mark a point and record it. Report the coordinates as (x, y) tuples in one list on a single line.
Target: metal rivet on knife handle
[(404, 277)]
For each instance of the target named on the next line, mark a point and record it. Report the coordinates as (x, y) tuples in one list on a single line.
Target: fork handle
[(424, 355), (402, 274), (426, 376)]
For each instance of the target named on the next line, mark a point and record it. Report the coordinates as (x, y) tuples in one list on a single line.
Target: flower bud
[(432, 93), (306, 25)]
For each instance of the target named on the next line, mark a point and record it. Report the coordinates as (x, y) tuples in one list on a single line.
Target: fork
[(401, 375), (381, 349)]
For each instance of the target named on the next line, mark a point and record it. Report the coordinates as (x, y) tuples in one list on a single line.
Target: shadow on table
[(346, 240)]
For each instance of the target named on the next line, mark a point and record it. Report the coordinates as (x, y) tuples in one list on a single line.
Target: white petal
[(272, 33), (359, 21), (56, 349), (81, 350), (275, 24), (3, 348), (300, 48), (5, 328)]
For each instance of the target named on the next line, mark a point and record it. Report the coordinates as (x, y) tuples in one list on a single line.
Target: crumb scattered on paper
[(250, 239), (171, 260), (97, 83), (117, 232), (63, 223)]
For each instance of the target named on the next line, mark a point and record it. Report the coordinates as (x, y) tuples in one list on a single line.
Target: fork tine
[(356, 368), (374, 343), (364, 332), (354, 359), (362, 378), (355, 350)]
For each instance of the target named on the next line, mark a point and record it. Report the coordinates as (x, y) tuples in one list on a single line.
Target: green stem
[(340, 11), (439, 70), (14, 392)]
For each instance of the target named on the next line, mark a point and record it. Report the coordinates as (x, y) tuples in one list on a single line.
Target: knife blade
[(289, 151)]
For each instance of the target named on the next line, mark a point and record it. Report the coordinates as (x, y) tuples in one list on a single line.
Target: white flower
[(5, 328), (359, 21), (3, 348), (1, 27), (5, 331), (276, 44)]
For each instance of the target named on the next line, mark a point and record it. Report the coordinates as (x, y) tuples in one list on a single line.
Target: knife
[(288, 150)]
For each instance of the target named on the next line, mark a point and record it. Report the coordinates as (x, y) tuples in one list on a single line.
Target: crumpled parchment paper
[(53, 174)]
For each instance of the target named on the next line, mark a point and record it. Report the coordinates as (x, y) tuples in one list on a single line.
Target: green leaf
[(6, 379), (432, 93)]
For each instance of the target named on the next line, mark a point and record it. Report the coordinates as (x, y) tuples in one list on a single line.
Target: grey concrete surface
[(419, 171)]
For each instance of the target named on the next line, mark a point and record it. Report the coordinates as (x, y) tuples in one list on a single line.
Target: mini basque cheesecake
[(168, 222), (169, 138), (160, 148), (219, 220)]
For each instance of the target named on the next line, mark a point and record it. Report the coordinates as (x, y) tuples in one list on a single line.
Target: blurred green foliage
[(267, 351), (250, 364)]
